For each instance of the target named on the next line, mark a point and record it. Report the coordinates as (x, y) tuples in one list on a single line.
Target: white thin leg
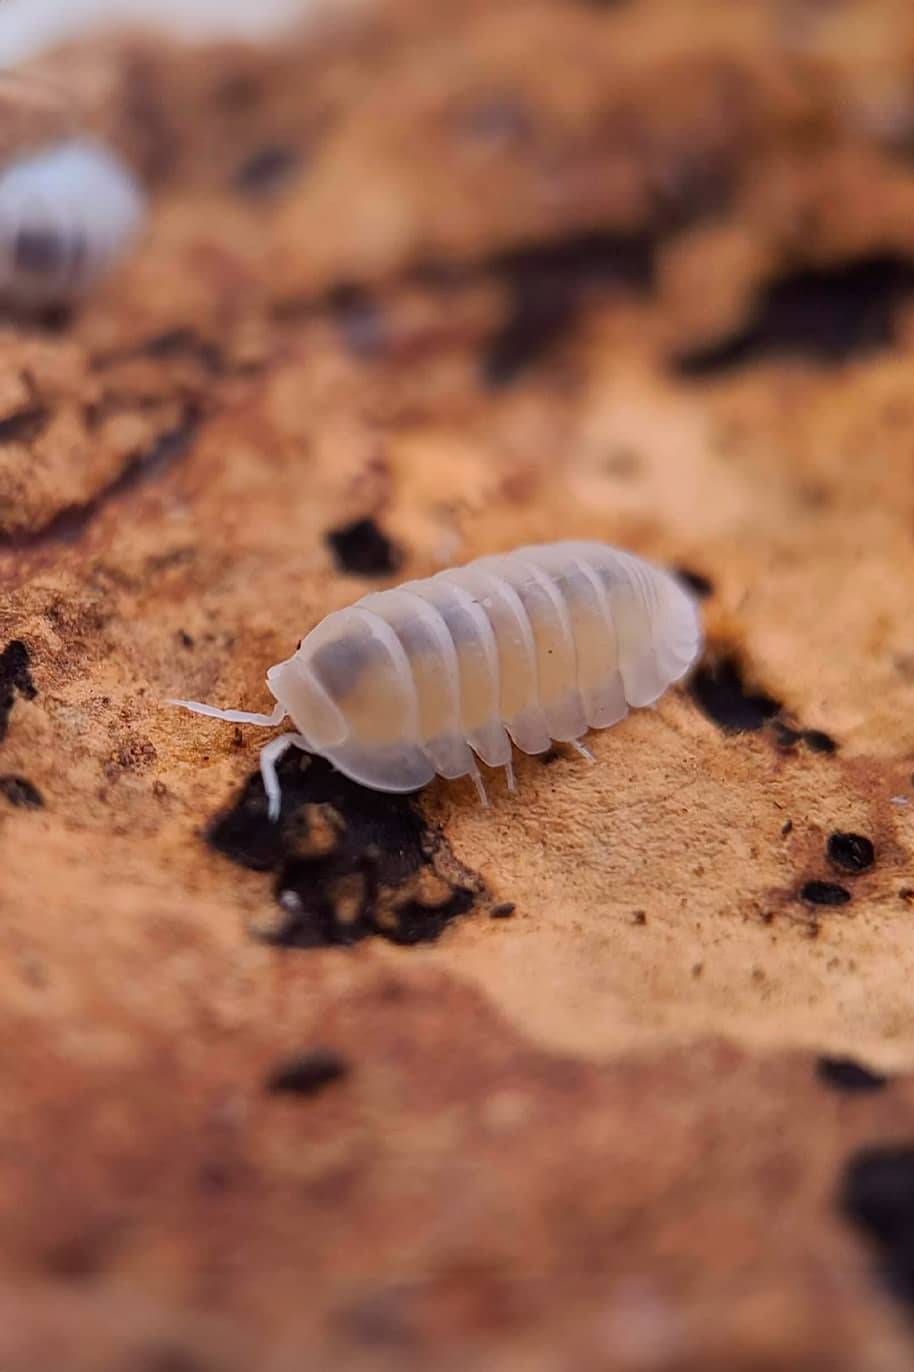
[(270, 754), (233, 716), (509, 775), (480, 788), (582, 748)]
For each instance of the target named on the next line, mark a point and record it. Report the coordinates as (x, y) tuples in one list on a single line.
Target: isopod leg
[(270, 754), (480, 788), (509, 775), (582, 748)]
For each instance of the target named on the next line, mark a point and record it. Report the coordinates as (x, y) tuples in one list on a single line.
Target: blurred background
[(297, 301)]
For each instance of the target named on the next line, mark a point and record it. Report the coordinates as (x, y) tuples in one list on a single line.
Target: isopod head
[(67, 214)]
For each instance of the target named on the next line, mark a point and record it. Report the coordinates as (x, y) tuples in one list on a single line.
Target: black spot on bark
[(20, 792), (787, 736), (818, 741), (266, 171), (15, 678), (701, 585), (827, 314), (547, 286), (308, 1072), (876, 1194), (359, 319), (824, 893), (503, 911), (24, 426), (349, 862), (362, 549), (719, 690), (850, 852), (844, 1074)]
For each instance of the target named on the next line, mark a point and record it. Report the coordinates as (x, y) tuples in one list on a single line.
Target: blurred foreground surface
[(409, 1083)]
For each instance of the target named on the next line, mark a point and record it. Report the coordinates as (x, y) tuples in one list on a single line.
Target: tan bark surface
[(410, 1083)]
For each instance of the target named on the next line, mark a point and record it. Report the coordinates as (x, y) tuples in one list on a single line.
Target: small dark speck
[(359, 319), (818, 741), (787, 827), (696, 581), (185, 639), (850, 852), (844, 1074), (267, 170), (21, 793), (824, 893), (907, 893), (362, 549), (639, 917), (307, 1072), (503, 911)]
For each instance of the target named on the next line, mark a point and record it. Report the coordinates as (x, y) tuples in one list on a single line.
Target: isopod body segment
[(531, 646), (67, 213)]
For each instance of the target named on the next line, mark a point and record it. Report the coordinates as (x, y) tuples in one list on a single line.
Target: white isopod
[(67, 213), (535, 645)]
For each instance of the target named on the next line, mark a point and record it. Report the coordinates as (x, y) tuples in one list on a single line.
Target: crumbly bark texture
[(616, 1073)]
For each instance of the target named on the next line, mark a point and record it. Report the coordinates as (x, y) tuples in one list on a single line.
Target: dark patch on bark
[(548, 284), (21, 793), (15, 679), (308, 1072), (844, 1074), (876, 1195), (267, 170), (827, 314), (851, 852), (362, 549), (720, 691), (24, 426), (824, 893), (349, 862)]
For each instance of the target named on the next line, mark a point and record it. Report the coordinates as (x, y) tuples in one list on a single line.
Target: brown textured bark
[(409, 1083)]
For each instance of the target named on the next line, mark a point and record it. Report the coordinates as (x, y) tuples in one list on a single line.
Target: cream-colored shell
[(528, 647)]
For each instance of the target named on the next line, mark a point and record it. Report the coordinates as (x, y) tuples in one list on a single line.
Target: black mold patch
[(700, 585), (267, 171), (20, 792), (824, 893), (23, 426), (876, 1194), (362, 549), (829, 315), (15, 677), (718, 689), (350, 862), (850, 852), (307, 1073), (548, 284), (844, 1074)]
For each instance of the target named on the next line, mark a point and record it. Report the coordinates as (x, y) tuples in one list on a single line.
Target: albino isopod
[(67, 212), (535, 645)]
